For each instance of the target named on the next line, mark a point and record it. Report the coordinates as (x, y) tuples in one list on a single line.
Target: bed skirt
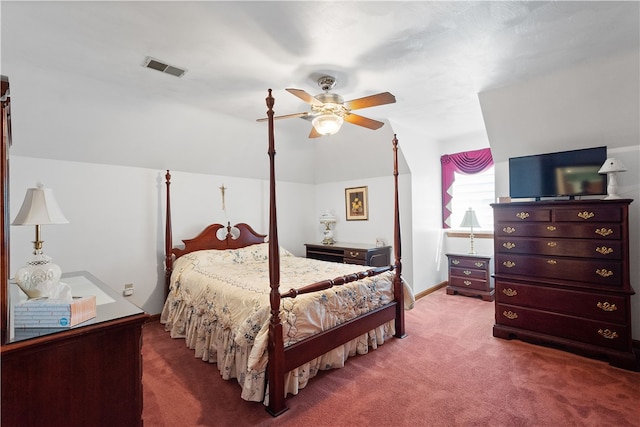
[(214, 342)]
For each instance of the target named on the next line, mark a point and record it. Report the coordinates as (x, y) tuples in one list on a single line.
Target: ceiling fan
[(329, 110)]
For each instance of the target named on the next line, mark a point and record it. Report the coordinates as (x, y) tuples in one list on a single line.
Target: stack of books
[(52, 313)]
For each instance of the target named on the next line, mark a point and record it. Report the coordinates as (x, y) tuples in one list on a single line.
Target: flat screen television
[(567, 173)]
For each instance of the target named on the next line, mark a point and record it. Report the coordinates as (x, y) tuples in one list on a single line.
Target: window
[(476, 191), (467, 181)]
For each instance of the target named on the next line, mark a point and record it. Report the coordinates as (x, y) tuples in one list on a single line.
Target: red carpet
[(449, 371)]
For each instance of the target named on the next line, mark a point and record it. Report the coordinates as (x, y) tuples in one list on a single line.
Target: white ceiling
[(435, 57)]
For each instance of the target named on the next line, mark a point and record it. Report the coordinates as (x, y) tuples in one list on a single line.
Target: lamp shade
[(327, 123), (470, 219), (327, 217), (39, 207), (612, 165)]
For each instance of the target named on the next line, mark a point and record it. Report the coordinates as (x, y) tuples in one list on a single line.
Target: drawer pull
[(467, 282), (354, 254), (510, 315), (604, 232), (552, 262), (467, 272), (510, 292), (509, 245), (551, 227), (455, 261), (479, 264), (604, 250), (586, 215), (509, 230), (509, 264), (606, 306), (603, 272), (552, 244), (523, 215), (608, 333)]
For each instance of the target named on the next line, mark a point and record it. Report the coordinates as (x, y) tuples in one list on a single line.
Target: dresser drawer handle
[(606, 306), (467, 272), (586, 215), (509, 230), (603, 272), (354, 254), (510, 292), (509, 245), (523, 215), (551, 227), (455, 261), (510, 315), (552, 262), (604, 232), (608, 333), (479, 264), (552, 244), (509, 264), (604, 250), (467, 282)]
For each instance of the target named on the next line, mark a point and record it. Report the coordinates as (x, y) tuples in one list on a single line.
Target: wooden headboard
[(237, 236)]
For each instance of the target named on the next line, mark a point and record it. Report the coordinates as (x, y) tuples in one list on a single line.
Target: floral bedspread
[(219, 303)]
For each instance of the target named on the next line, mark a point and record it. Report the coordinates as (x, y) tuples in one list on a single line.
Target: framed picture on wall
[(356, 203)]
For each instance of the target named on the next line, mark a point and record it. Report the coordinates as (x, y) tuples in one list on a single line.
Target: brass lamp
[(39, 208), (470, 221)]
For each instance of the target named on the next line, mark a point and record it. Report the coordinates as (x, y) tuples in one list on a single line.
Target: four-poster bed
[(279, 340)]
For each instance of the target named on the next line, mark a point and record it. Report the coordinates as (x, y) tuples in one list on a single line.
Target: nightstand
[(470, 275)]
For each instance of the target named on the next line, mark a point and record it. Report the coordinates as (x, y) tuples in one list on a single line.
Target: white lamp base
[(39, 269)]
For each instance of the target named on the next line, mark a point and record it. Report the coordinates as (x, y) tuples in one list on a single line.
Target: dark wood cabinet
[(351, 253), (470, 275), (89, 375), (562, 276)]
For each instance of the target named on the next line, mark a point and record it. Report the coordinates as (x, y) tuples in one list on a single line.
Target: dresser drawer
[(591, 214), (596, 332), (522, 214), (463, 282), (609, 308), (608, 231), (583, 248), (599, 272)]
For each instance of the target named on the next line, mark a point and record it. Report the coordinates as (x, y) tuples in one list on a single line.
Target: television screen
[(567, 173)]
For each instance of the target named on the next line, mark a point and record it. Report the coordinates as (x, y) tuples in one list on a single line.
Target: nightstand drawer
[(467, 283), (467, 273)]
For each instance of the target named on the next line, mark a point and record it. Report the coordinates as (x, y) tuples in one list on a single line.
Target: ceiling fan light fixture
[(327, 123)]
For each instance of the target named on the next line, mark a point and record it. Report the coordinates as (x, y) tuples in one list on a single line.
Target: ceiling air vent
[(155, 64)]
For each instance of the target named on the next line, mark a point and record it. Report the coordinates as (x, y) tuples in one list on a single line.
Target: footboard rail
[(338, 281)]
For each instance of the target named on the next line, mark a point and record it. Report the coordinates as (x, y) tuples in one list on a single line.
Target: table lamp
[(611, 167), (471, 221), (39, 208), (327, 218)]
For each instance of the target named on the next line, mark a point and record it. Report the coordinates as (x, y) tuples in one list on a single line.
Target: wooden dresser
[(470, 275), (351, 253), (88, 375), (562, 276)]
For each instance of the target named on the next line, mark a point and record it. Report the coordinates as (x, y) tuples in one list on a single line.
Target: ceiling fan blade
[(286, 116), (314, 133), (370, 101), (363, 121), (309, 99)]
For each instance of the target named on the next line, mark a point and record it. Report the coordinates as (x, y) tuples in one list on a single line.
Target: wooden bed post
[(397, 281), (275, 367), (168, 238)]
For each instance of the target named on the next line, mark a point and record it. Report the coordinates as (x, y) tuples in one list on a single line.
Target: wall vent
[(156, 64)]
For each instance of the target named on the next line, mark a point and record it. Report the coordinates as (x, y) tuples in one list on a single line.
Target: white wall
[(116, 215)]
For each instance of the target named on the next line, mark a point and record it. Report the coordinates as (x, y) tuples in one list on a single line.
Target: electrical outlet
[(128, 290)]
